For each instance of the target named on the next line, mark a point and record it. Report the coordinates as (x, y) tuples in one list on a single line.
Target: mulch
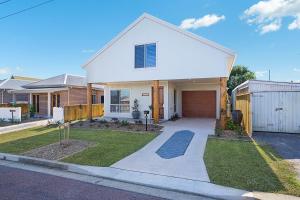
[(118, 126), (57, 151)]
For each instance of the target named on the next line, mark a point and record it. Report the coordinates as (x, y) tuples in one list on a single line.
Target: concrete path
[(22, 126), (189, 166)]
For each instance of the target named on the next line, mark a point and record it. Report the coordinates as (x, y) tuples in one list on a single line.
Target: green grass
[(249, 166), (111, 146)]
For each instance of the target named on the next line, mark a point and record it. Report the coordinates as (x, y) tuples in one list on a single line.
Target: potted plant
[(32, 111), (135, 109)]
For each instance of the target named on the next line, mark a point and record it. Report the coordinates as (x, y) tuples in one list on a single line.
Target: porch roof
[(42, 90)]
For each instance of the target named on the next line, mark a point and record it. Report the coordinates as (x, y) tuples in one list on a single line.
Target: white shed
[(268, 106)]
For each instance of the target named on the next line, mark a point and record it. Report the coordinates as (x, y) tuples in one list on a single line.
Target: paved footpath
[(27, 185)]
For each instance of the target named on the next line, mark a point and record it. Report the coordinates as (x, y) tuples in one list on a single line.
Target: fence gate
[(243, 104)]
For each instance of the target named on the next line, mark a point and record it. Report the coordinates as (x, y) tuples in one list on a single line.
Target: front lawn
[(110, 147), (249, 166)]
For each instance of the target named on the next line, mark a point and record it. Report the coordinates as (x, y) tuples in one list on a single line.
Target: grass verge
[(111, 146), (249, 166)]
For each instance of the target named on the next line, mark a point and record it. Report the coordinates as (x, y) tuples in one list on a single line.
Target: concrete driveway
[(287, 145), (189, 166)]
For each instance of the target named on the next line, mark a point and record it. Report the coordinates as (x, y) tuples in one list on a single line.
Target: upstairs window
[(145, 55)]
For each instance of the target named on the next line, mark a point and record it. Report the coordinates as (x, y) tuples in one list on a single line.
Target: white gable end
[(178, 56)]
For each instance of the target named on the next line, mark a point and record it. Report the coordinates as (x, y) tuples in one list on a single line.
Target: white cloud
[(274, 26), (296, 70), (260, 74), (4, 70), (87, 50), (19, 69), (205, 21), (269, 14), (295, 24)]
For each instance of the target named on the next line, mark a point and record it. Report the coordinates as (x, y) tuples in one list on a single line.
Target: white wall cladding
[(178, 56), (276, 111), (136, 91)]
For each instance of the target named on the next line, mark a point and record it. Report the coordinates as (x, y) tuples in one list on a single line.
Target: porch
[(195, 98), (43, 100)]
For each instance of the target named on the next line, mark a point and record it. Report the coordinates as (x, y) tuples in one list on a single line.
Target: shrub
[(138, 122), (230, 125), (124, 123), (103, 121), (174, 117)]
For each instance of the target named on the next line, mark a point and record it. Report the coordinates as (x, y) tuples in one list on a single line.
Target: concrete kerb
[(203, 189)]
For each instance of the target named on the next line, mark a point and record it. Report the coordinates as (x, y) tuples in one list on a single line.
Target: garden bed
[(118, 125), (231, 132), (57, 151)]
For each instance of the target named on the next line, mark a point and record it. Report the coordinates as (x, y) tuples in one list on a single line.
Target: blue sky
[(60, 36)]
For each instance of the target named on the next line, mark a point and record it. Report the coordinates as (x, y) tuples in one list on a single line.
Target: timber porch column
[(155, 105), (89, 101), (223, 101)]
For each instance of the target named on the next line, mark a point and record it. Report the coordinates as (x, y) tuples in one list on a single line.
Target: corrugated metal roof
[(13, 84), (62, 80), (261, 85), (24, 78)]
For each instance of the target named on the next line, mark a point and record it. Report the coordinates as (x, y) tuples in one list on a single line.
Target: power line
[(26, 9), (4, 1)]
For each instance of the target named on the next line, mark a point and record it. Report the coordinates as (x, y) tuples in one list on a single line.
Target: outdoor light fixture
[(146, 113)]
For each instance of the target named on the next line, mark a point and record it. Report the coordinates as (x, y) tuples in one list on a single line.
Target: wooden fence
[(78, 112), (24, 108), (243, 104)]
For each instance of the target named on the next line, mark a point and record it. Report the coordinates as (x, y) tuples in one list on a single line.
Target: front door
[(161, 102)]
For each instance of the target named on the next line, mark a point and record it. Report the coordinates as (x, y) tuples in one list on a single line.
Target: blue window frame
[(145, 55)]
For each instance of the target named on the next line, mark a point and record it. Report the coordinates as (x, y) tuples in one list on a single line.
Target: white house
[(155, 61)]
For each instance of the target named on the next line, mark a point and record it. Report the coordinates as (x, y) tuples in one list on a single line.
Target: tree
[(238, 75)]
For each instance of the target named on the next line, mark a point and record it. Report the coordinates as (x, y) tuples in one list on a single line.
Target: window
[(145, 55), (94, 99), (102, 99), (119, 101)]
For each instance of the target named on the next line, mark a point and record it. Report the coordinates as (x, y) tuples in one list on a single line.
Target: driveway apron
[(177, 152)]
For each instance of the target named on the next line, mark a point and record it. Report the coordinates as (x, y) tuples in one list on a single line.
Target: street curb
[(75, 169)]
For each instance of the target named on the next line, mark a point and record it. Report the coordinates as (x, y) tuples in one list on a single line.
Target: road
[(28, 185)]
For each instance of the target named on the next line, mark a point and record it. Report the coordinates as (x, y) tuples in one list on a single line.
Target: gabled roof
[(13, 84), (24, 78), (166, 24), (62, 80)]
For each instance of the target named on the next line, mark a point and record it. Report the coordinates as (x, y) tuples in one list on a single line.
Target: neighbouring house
[(14, 83), (59, 91), (172, 70), (268, 106)]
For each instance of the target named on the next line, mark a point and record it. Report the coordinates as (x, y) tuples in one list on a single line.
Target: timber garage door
[(199, 104)]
